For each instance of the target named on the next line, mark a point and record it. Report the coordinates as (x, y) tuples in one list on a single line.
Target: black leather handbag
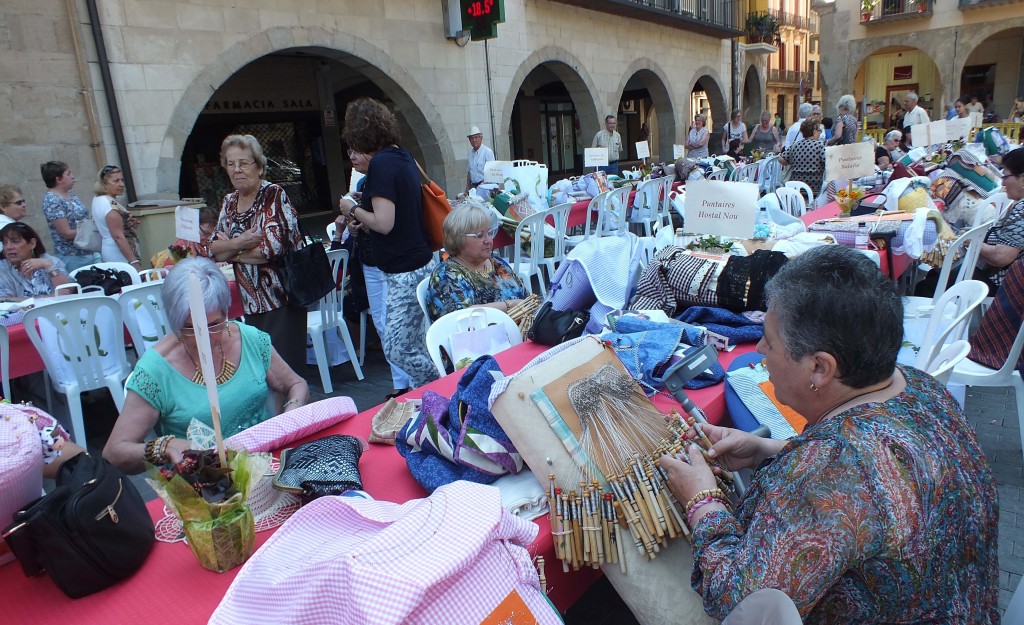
[(551, 327), (306, 273), (92, 531)]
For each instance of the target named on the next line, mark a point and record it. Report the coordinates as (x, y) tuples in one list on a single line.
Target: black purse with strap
[(306, 273), (552, 327), (92, 531)]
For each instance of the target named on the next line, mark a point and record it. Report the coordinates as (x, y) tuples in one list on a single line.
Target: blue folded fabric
[(645, 348), (736, 327)]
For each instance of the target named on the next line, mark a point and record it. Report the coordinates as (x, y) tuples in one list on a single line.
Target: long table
[(172, 587), (900, 262), (25, 359)]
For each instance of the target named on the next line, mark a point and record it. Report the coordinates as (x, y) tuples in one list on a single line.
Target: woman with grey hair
[(844, 131), (889, 152), (167, 389), (472, 275), (257, 227), (884, 508)]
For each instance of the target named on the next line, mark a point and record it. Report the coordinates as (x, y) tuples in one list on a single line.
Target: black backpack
[(110, 280)]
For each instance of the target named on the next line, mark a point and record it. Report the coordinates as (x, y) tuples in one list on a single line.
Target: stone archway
[(378, 66), (752, 102), (567, 69), (648, 74), (1001, 49), (874, 82), (710, 83)]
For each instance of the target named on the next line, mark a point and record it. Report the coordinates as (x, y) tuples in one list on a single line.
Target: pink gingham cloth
[(449, 558), (276, 432)]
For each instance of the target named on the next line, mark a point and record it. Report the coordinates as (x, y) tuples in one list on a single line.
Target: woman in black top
[(391, 215)]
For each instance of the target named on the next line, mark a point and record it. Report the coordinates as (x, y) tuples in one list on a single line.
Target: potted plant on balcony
[(866, 8), (763, 28), (922, 5)]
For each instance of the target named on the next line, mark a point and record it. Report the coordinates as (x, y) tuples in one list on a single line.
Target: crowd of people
[(883, 442)]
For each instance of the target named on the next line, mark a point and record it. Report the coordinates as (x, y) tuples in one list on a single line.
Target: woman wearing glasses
[(115, 224), (472, 275), (257, 226), (390, 212), (26, 269), (12, 205), (167, 389)]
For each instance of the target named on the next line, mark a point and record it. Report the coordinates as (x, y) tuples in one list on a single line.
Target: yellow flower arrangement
[(848, 198)]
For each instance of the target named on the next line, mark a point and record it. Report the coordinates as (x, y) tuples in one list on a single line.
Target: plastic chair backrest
[(558, 217), (530, 234), (718, 175), (648, 200), (972, 239), (941, 366), (331, 229), (612, 214), (330, 304), (744, 173), (71, 289), (791, 201), (142, 309), (949, 318), (991, 208), (131, 271), (156, 274), (81, 340), (804, 189), (769, 174), (439, 333), (421, 297), (5, 363)]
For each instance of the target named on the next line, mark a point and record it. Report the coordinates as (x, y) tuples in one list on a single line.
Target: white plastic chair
[(744, 173), (81, 342), (155, 274), (71, 289), (530, 233), (791, 201), (421, 297), (613, 213), (329, 317), (970, 373), (131, 271), (991, 208), (440, 332), (941, 366), (5, 363), (558, 218), (769, 174), (968, 259), (593, 210), (805, 190), (142, 309), (331, 229), (949, 319), (719, 174), (649, 208)]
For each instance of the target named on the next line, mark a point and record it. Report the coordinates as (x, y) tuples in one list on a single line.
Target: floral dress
[(454, 286), (885, 513)]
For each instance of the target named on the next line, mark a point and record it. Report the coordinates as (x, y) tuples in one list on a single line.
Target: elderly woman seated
[(27, 270), (472, 275), (167, 389), (884, 508)]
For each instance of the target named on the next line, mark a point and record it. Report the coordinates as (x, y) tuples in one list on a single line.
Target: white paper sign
[(958, 128), (678, 151), (853, 160), (643, 149), (494, 171), (186, 223), (721, 208), (924, 135), (977, 119), (595, 157)]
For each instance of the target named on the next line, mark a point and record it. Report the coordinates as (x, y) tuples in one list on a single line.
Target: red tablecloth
[(172, 587), (25, 359), (900, 262)]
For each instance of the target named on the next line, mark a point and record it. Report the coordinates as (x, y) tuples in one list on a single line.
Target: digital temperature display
[(481, 17)]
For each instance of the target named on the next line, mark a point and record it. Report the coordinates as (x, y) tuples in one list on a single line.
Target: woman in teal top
[(167, 391)]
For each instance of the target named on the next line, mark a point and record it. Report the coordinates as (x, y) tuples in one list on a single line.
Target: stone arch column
[(752, 109), (571, 72), (968, 40), (375, 63), (657, 83)]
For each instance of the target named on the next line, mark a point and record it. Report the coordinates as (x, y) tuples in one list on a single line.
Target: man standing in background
[(479, 156), (609, 139)]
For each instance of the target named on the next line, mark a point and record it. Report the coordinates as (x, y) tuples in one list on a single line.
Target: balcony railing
[(789, 76), (803, 22), (887, 10), (979, 4), (719, 18)]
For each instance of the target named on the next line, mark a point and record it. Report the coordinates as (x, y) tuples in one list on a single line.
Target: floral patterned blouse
[(885, 513), (273, 216), (454, 286), (55, 207)]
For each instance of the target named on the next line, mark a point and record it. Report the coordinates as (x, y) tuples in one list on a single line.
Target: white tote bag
[(87, 236)]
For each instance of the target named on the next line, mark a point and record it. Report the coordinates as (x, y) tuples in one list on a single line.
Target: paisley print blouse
[(885, 513)]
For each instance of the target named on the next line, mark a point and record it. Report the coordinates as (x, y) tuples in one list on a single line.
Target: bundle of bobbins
[(591, 525)]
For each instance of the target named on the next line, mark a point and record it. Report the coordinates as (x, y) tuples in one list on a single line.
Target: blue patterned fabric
[(645, 348), (738, 328), (459, 439)]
